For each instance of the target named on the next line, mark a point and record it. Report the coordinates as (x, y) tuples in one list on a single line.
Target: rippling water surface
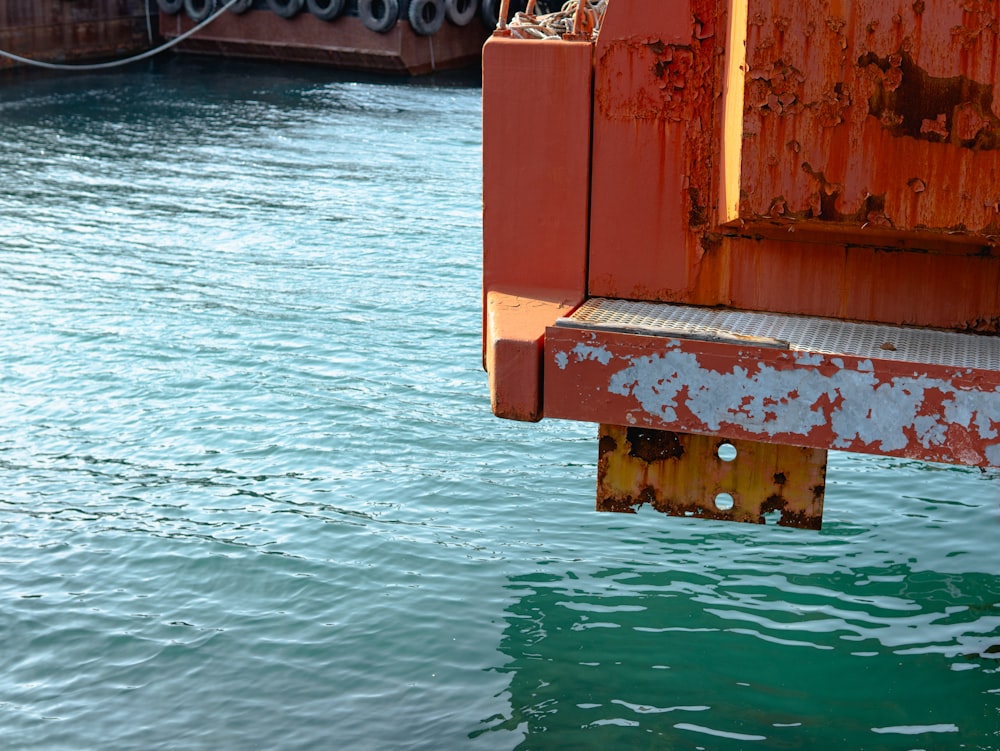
[(252, 495)]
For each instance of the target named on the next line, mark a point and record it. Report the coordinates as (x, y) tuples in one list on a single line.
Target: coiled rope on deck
[(576, 18), (124, 61)]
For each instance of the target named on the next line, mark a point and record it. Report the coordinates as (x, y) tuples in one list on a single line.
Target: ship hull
[(61, 32), (343, 43)]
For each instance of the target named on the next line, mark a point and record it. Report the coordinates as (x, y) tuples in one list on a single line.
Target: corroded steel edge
[(754, 393), (688, 475)]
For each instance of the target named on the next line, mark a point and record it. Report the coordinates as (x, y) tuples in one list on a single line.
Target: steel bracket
[(682, 474)]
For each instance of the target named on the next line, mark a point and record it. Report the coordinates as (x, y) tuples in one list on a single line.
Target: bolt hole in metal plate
[(796, 333), (684, 475), (724, 501)]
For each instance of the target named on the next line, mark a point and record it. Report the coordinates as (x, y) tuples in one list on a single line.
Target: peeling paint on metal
[(587, 352), (908, 86), (770, 401), (920, 410), (686, 475)]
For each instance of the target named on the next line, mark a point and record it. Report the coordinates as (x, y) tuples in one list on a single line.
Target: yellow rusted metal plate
[(710, 477)]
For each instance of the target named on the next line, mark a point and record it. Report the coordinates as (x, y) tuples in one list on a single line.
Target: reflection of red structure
[(785, 221)]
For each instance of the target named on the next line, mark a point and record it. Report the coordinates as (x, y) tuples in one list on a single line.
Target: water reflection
[(722, 638)]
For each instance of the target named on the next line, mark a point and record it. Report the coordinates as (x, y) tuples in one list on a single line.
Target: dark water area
[(253, 497)]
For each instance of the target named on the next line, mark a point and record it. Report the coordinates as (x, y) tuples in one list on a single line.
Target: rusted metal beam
[(792, 380), (710, 477)]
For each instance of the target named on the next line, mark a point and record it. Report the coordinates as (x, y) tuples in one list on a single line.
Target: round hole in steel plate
[(726, 452)]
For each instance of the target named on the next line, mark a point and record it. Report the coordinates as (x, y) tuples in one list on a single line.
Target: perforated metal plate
[(797, 333)]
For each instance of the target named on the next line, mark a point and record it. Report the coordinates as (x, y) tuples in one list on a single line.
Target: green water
[(253, 496)]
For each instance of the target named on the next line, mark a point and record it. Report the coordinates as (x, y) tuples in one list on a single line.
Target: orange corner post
[(536, 185)]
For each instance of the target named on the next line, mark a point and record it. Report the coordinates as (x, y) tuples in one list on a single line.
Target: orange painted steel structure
[(832, 164)]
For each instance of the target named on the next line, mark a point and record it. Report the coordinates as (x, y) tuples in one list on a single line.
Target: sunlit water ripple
[(253, 496)]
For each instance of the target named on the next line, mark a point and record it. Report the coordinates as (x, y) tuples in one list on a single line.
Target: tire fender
[(171, 7), (378, 15), (460, 12), (426, 16), (325, 10), (285, 8), (199, 10)]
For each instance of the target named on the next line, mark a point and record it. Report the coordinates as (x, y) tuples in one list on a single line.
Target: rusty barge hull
[(61, 31), (344, 43)]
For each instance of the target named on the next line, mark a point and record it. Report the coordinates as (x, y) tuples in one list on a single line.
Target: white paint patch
[(587, 352), (770, 401)]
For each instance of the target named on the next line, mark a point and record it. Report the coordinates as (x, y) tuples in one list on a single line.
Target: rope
[(149, 23), (577, 18), (125, 61)]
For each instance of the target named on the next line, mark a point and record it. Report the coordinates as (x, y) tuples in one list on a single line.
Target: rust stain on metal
[(884, 404), (654, 445), (910, 102), (691, 475), (675, 81), (861, 94)]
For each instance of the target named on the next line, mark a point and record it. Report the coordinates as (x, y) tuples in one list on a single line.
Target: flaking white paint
[(858, 406)]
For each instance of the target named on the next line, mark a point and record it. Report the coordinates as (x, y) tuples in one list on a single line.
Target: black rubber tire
[(460, 12), (171, 7), (489, 11), (325, 10), (285, 8), (241, 6), (199, 10), (426, 16), (378, 15)]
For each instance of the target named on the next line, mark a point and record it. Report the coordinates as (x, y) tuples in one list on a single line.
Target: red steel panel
[(73, 31), (536, 170), (878, 116), (653, 133), (784, 182), (743, 391)]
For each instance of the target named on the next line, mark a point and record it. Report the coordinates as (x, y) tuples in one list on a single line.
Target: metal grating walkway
[(798, 333)]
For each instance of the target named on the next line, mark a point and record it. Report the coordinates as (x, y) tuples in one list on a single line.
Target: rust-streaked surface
[(778, 182), (881, 117), (343, 43), (69, 31), (654, 136), (692, 475)]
